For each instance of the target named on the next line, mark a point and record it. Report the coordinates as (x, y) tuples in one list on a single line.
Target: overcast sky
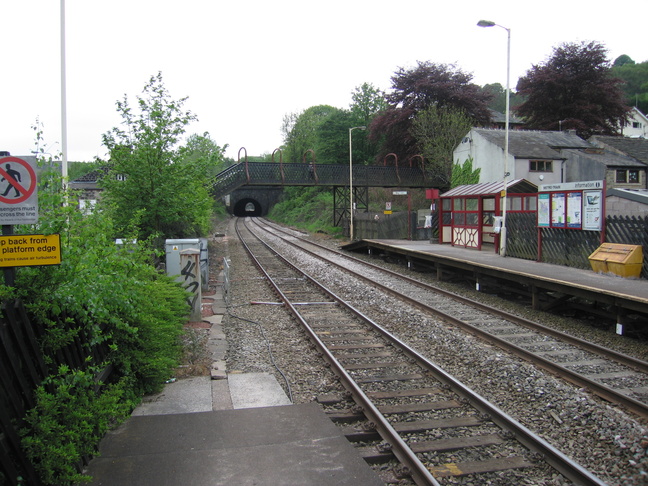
[(244, 64)]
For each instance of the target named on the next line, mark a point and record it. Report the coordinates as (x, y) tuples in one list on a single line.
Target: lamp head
[(485, 23)]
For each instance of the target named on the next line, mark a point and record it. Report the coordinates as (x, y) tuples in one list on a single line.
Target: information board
[(573, 205)]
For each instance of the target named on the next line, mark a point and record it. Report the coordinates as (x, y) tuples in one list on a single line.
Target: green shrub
[(109, 294), (68, 422)]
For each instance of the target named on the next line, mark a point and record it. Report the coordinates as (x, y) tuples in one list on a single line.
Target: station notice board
[(30, 250)]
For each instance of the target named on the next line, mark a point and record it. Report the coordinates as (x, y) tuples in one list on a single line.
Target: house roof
[(92, 176), (527, 144), (517, 186), (500, 118), (632, 147), (601, 156)]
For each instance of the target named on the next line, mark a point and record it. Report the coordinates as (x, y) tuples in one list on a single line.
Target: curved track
[(405, 396)]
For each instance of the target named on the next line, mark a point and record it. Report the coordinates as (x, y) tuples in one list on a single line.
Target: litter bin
[(618, 259)]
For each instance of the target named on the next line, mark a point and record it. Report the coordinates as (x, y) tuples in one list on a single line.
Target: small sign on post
[(30, 250), (18, 194)]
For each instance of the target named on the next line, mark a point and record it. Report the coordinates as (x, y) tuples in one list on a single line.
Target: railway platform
[(547, 284), (239, 428)]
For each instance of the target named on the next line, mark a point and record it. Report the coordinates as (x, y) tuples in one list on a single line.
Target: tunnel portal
[(247, 207)]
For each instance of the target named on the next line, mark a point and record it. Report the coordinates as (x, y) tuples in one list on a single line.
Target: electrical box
[(174, 247)]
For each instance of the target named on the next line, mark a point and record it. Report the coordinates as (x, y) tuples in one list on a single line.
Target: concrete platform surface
[(287, 445), (250, 390)]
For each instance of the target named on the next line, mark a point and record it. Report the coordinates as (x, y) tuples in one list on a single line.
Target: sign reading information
[(30, 250), (574, 205)]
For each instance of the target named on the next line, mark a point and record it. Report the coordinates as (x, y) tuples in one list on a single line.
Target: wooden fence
[(570, 247), (25, 364)]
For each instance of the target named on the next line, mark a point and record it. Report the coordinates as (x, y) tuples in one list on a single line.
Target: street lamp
[(351, 180), (488, 23)]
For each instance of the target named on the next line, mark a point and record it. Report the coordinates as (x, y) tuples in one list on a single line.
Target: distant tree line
[(432, 105)]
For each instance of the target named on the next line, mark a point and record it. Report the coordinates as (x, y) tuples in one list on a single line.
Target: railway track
[(434, 425), (616, 377)]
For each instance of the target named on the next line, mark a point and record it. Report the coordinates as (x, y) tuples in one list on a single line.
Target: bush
[(109, 294)]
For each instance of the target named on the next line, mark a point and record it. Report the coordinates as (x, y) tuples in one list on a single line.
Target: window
[(521, 203), (629, 176), (636, 125), (540, 166)]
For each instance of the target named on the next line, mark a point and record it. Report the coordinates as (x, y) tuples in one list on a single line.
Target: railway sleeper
[(480, 467)]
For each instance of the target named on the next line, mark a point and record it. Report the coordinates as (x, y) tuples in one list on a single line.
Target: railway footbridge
[(251, 188)]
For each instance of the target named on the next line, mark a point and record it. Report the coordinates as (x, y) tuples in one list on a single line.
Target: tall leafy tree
[(498, 97), (202, 150), (301, 131), (146, 183), (438, 130), (367, 101), (416, 89), (635, 81), (574, 89), (333, 139)]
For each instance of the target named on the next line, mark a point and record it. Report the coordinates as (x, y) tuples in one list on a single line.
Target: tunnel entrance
[(247, 207)]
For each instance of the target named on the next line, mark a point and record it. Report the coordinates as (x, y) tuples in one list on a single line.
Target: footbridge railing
[(311, 174)]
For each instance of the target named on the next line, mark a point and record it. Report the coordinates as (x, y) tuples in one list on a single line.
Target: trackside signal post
[(19, 205)]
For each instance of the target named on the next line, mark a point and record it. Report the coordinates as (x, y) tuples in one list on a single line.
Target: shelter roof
[(517, 186)]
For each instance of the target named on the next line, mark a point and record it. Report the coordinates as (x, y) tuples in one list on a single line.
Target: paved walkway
[(227, 429)]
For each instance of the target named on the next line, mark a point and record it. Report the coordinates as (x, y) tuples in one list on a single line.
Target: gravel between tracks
[(605, 440)]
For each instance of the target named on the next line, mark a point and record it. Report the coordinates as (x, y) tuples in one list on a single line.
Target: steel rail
[(624, 359), (416, 468), (603, 391), (570, 469)]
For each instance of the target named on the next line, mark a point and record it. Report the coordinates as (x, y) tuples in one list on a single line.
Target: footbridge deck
[(310, 174)]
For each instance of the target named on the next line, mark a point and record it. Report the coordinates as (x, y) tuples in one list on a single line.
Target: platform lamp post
[(488, 23), (351, 180)]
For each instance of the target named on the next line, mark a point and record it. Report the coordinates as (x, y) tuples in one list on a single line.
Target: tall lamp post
[(488, 23), (351, 180)]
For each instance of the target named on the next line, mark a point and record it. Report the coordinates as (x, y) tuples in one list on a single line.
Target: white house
[(536, 156), (637, 126), (543, 157)]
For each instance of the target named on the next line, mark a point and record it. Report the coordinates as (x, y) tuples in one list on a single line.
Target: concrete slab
[(187, 395), (221, 399), (292, 445), (251, 390)]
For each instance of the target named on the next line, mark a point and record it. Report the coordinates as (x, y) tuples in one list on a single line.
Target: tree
[(635, 81), (145, 182), (367, 101), (202, 150), (417, 89), (497, 92), (301, 131), (333, 139), (438, 130), (574, 89)]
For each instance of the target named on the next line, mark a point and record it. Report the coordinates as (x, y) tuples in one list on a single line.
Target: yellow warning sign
[(30, 250)]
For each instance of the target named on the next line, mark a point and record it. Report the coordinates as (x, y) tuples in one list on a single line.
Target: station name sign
[(30, 250)]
